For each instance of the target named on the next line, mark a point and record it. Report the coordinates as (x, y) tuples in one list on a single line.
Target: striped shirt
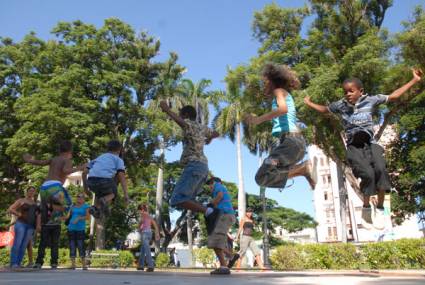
[(358, 117)]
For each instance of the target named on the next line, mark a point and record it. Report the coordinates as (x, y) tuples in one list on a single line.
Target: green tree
[(345, 39)]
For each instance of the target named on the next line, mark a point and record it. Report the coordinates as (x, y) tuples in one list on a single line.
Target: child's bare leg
[(220, 254), (259, 261), (366, 201), (381, 198)]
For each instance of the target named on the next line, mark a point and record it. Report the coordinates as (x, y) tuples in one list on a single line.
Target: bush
[(288, 257), (162, 260), (124, 258), (205, 256), (400, 254)]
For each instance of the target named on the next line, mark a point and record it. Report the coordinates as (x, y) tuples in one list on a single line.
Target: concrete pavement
[(131, 277)]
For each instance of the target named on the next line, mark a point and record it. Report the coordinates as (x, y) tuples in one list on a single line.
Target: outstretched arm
[(213, 135), (123, 181), (30, 159), (319, 108), (176, 118), (84, 177), (281, 109), (242, 222), (417, 76)]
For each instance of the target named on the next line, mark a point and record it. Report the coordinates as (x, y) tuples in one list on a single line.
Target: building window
[(326, 196), (334, 232), (330, 232), (322, 162), (329, 179)]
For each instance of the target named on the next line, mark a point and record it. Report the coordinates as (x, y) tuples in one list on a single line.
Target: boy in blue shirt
[(364, 155), (217, 239), (101, 181)]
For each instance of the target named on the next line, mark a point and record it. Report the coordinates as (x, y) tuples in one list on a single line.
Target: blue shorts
[(190, 183)]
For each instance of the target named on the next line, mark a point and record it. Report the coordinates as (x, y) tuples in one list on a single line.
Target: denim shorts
[(190, 183)]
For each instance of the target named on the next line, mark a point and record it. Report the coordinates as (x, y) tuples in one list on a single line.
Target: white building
[(327, 206), (304, 236), (74, 179)]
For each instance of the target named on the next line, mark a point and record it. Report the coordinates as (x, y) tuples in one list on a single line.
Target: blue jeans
[(145, 249), (76, 240), (190, 183), (23, 234)]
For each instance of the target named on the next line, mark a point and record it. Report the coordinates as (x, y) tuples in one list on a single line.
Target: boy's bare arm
[(217, 199), (84, 178), (176, 118), (30, 159), (282, 109), (123, 181), (417, 76), (214, 135), (319, 108)]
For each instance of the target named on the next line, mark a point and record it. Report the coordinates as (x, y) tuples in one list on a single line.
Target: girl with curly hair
[(290, 145)]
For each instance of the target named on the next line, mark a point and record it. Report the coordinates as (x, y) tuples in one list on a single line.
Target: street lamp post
[(266, 244)]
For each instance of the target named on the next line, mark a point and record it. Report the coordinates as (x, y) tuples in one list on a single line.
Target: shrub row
[(400, 254), (123, 259)]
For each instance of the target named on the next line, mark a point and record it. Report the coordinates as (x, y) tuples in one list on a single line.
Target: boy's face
[(68, 154), (352, 92)]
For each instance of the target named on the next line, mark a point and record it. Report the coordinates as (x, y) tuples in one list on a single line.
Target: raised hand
[(417, 74), (164, 106), (307, 100)]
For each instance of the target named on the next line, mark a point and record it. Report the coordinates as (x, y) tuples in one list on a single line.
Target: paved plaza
[(115, 277)]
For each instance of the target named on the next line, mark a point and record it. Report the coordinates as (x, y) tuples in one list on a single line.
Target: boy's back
[(196, 136), (56, 169), (106, 166)]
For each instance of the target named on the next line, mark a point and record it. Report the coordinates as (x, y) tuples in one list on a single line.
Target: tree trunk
[(266, 244), (241, 189), (343, 202), (160, 185), (91, 232), (100, 233), (190, 236)]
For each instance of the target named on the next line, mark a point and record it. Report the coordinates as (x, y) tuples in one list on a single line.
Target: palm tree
[(228, 121)]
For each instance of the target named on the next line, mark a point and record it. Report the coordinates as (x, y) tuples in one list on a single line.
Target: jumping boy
[(363, 154), (101, 181), (194, 161), (217, 239), (54, 200), (289, 142)]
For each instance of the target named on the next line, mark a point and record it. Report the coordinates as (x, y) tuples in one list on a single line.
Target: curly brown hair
[(281, 76)]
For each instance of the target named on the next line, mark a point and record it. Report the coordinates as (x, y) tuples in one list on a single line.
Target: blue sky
[(208, 36)]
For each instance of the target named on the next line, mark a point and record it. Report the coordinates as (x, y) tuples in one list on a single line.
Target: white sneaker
[(379, 219), (367, 217)]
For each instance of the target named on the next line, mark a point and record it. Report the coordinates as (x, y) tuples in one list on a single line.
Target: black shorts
[(102, 186)]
